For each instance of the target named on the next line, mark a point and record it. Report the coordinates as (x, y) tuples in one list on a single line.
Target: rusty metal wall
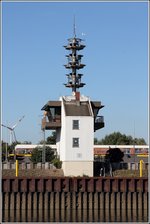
[(70, 206), (82, 184), (69, 199)]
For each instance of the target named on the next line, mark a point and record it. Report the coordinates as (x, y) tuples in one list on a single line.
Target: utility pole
[(43, 151), (6, 159)]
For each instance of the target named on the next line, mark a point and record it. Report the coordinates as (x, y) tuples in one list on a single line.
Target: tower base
[(78, 168)]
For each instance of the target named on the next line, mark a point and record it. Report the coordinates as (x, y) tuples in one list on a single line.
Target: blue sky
[(116, 58)]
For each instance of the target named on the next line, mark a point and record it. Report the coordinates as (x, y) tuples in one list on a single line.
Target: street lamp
[(6, 159), (43, 151)]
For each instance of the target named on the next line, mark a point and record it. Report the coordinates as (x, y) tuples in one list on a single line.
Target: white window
[(75, 124), (75, 142)]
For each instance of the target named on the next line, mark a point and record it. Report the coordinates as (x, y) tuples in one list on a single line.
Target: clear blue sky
[(116, 58)]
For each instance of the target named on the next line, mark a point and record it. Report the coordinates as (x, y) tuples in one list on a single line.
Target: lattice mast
[(74, 62)]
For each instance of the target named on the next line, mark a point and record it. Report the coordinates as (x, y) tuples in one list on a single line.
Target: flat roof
[(51, 104), (97, 104)]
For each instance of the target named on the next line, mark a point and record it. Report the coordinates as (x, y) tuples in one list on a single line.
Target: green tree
[(51, 140), (37, 154), (116, 138), (112, 159), (96, 141), (27, 142), (139, 141), (114, 155), (10, 149), (3, 150), (12, 146)]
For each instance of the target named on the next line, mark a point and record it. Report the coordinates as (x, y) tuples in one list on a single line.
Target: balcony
[(52, 124), (99, 123)]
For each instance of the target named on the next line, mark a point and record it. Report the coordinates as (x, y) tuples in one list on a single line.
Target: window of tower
[(75, 124), (75, 142)]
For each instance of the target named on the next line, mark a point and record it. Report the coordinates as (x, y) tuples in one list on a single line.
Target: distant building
[(127, 149), (28, 148)]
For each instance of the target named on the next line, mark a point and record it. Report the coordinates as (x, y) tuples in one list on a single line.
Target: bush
[(57, 163)]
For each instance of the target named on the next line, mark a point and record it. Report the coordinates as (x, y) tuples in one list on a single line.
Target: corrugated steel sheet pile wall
[(74, 199)]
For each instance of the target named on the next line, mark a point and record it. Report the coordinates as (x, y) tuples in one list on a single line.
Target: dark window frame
[(75, 124), (75, 142)]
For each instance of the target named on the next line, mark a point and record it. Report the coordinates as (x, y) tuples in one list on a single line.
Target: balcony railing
[(52, 124), (99, 122), (99, 119)]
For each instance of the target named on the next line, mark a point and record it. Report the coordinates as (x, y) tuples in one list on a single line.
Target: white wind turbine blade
[(6, 127), (10, 131), (13, 127)]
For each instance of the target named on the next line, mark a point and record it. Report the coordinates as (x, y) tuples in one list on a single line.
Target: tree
[(116, 138), (27, 142), (96, 141), (3, 149), (139, 141), (49, 156), (10, 149), (114, 155), (37, 154), (51, 139), (112, 159)]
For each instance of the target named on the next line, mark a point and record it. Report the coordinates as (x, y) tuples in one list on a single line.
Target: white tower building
[(75, 118)]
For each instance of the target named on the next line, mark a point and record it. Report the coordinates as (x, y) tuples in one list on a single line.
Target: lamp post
[(6, 159), (43, 151)]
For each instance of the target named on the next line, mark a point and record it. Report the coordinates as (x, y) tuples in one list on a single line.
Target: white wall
[(58, 133), (78, 168), (76, 160), (62, 133), (85, 135)]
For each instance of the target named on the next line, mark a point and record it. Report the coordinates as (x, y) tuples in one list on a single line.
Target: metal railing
[(99, 119)]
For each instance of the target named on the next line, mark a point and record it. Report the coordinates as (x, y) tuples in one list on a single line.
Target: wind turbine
[(12, 130)]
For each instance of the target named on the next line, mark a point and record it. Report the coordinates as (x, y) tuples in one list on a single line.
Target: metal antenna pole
[(74, 27), (43, 152), (74, 61), (6, 152), (6, 159)]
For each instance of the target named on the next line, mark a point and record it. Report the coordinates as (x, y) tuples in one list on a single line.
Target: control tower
[(74, 118)]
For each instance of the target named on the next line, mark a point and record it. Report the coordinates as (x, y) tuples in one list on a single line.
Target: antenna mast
[(74, 61), (74, 27)]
